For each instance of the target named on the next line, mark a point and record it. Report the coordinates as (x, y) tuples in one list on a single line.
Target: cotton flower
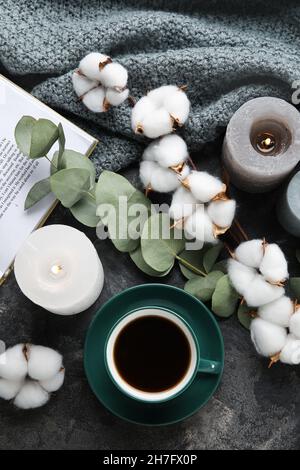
[(240, 275), (260, 292), (295, 324), (157, 113), (290, 353), (183, 204), (29, 373), (9, 388), (268, 338), (31, 395), (274, 265), (250, 253), (92, 64), (222, 212), (43, 363), (82, 84), (168, 151), (279, 311), (54, 383), (115, 98), (158, 178), (100, 83), (13, 363), (94, 100), (199, 226), (204, 186)]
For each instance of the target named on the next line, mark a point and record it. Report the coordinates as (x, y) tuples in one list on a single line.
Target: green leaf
[(111, 186), (61, 142), (294, 284), (85, 211), (244, 316), (192, 263), (70, 185), (203, 287), (158, 242), (298, 255), (124, 224), (211, 257), (225, 298), (37, 192), (221, 266), (44, 135), (23, 133), (139, 261)]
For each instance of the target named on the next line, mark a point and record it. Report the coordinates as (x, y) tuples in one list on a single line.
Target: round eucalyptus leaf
[(44, 135), (23, 133), (38, 191), (159, 243), (61, 140), (211, 257), (126, 220), (85, 211), (225, 298), (244, 316), (221, 266), (203, 287), (139, 261), (70, 185), (191, 263), (111, 186)]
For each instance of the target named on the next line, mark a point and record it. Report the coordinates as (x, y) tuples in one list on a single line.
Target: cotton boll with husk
[(274, 265), (268, 338), (183, 204), (290, 353), (240, 275), (171, 150), (295, 324), (114, 75), (55, 383), (94, 100), (82, 84), (13, 363), (260, 292), (178, 106), (222, 212), (158, 95), (158, 178), (9, 388), (92, 64), (115, 98), (43, 363), (199, 226), (142, 107), (31, 395), (157, 123), (204, 186), (250, 253), (279, 311)]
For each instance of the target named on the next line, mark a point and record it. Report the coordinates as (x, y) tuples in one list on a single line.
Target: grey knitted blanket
[(226, 51)]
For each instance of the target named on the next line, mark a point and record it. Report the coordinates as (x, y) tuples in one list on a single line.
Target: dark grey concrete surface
[(254, 408)]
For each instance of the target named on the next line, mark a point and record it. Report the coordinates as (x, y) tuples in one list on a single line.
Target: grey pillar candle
[(262, 144), (288, 207)]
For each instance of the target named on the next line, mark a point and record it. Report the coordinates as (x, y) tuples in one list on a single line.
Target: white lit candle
[(59, 269)]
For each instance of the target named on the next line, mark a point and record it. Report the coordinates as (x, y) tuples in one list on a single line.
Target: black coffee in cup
[(152, 354)]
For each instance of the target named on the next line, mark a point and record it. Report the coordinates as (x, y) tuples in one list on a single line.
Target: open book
[(18, 173)]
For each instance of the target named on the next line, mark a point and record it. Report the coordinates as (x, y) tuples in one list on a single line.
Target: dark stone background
[(254, 408)]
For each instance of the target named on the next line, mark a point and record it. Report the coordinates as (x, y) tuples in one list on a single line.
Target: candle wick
[(56, 269)]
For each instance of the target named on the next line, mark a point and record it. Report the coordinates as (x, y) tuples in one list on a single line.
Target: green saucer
[(204, 326)]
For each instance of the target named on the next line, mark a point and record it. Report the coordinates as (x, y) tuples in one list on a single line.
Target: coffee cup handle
[(206, 366)]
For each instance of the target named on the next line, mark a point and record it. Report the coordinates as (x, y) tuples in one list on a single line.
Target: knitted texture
[(226, 51)]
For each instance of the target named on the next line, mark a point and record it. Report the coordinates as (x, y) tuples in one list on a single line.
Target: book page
[(18, 173)]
